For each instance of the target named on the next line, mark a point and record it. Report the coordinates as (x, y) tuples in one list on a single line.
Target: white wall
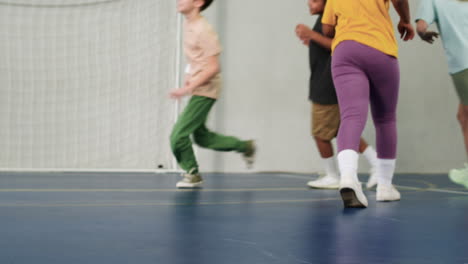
[(266, 75)]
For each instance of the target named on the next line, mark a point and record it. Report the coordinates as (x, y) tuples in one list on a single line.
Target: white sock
[(385, 171), (330, 167), (348, 163), (371, 156)]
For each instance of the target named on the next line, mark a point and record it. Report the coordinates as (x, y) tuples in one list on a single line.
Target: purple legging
[(362, 74)]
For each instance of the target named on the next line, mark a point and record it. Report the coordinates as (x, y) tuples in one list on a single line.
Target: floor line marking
[(26, 190), (153, 190), (169, 204)]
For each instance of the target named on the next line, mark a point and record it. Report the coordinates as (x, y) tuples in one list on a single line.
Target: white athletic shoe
[(190, 180), (460, 176), (351, 193), (249, 156), (326, 182), (387, 193), (372, 178)]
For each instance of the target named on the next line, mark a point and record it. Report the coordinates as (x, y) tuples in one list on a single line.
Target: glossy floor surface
[(236, 218)]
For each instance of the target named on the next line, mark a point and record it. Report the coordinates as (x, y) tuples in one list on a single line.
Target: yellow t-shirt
[(365, 21)]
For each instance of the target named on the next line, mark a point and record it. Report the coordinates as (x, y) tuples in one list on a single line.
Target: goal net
[(84, 84)]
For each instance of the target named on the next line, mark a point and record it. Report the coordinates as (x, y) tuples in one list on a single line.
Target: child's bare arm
[(402, 8), (404, 27), (328, 30), (322, 40), (428, 36), (303, 32), (306, 35)]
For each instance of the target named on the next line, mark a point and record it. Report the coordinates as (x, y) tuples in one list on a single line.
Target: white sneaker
[(351, 193), (326, 182), (372, 178), (460, 176), (387, 193), (249, 156), (190, 180)]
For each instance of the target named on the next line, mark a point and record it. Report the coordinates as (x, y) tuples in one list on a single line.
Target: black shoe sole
[(350, 199)]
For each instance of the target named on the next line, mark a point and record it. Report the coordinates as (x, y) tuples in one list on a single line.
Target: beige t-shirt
[(200, 43)]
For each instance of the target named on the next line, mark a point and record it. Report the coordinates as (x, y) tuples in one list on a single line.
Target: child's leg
[(324, 147), (325, 124), (192, 118), (363, 146), (331, 178), (462, 117), (460, 176), (460, 81), (384, 74), (210, 140), (371, 156), (369, 153), (352, 89), (385, 79)]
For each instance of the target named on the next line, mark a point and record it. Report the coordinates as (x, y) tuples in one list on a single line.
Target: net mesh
[(84, 83)]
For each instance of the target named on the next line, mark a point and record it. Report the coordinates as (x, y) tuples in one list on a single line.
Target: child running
[(365, 70), (203, 83), (325, 110), (451, 17)]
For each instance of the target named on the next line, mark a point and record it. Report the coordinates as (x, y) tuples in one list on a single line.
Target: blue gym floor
[(237, 218)]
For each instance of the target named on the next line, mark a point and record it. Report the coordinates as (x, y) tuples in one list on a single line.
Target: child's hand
[(406, 30), (304, 33), (178, 93), (429, 36)]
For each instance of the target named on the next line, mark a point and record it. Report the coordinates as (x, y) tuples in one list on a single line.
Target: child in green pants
[(451, 18), (203, 82)]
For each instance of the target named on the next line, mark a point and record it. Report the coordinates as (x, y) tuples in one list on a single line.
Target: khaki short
[(460, 80), (325, 121)]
